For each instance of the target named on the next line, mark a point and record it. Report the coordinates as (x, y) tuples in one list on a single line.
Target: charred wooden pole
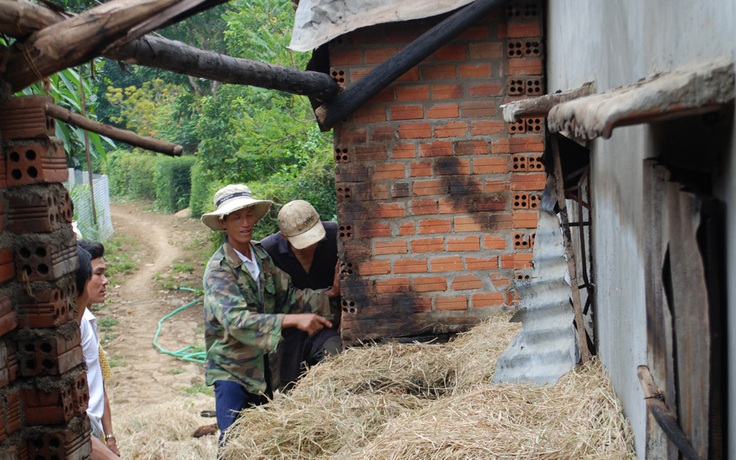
[(181, 58), (76, 40), (21, 18), (571, 267), (122, 135), (663, 416), (379, 78)]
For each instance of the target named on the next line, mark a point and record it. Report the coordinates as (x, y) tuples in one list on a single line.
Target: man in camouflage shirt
[(247, 303)]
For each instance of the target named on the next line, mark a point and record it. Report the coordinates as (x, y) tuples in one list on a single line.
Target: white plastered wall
[(616, 43)]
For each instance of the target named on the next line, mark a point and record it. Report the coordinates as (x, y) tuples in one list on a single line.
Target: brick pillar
[(43, 384), (437, 196)]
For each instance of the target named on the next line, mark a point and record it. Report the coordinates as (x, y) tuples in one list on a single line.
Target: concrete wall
[(617, 43)]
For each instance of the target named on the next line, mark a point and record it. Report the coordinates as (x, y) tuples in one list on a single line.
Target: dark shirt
[(322, 272)]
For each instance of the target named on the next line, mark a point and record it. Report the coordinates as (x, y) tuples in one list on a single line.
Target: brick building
[(437, 196)]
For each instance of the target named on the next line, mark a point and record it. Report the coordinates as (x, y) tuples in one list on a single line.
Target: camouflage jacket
[(242, 325)]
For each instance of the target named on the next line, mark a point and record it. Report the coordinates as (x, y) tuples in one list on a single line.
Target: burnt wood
[(663, 416), (21, 18), (570, 253), (379, 78), (179, 57), (75, 40)]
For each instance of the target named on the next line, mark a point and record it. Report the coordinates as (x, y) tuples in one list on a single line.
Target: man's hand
[(112, 444), (307, 322)]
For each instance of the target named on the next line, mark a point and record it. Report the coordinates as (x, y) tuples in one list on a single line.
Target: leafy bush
[(131, 175), (203, 189), (172, 180)]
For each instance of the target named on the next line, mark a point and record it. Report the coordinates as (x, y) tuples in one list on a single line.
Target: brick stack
[(43, 385), (437, 196)]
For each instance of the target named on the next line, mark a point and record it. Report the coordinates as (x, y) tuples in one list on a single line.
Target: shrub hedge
[(172, 180)]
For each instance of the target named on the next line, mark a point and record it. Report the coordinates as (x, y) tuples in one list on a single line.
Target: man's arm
[(110, 442)]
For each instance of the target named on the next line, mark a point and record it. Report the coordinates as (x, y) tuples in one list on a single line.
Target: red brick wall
[(43, 384), (437, 196)]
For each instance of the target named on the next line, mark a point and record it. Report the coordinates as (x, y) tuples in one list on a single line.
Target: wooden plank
[(659, 321), (379, 78), (691, 317), (541, 105), (571, 267)]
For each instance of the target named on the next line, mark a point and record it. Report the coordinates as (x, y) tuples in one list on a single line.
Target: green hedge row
[(164, 180)]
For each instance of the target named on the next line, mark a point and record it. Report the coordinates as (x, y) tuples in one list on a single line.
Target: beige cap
[(300, 224), (231, 198)]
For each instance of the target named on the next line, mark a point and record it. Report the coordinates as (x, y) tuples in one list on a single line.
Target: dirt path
[(142, 375)]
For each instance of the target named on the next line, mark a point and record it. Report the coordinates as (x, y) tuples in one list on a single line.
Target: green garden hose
[(183, 354)]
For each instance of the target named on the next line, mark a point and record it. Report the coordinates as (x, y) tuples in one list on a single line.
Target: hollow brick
[(406, 112), (432, 226), (392, 285), (440, 92), (374, 267), (423, 207), (444, 110), (481, 263), (382, 171), (487, 299), (415, 130), (446, 264), (451, 129), (412, 92)]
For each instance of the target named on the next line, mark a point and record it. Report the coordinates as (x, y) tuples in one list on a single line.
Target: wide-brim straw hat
[(299, 223), (230, 199)]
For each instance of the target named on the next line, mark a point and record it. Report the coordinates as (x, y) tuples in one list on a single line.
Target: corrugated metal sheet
[(319, 21), (546, 347)]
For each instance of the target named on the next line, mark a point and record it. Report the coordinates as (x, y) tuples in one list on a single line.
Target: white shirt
[(91, 352), (251, 265)]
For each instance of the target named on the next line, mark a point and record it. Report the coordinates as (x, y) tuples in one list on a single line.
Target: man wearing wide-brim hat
[(247, 303)]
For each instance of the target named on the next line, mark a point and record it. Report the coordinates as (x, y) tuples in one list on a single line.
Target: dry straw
[(427, 401), (164, 431)]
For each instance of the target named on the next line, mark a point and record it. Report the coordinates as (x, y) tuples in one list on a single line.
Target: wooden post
[(662, 415), (178, 57), (20, 18), (571, 267), (75, 40), (358, 94), (129, 137)]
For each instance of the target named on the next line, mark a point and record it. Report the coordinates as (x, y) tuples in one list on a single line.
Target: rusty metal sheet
[(319, 21)]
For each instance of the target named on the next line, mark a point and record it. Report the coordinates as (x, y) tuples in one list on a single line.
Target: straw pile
[(425, 401), (164, 431)]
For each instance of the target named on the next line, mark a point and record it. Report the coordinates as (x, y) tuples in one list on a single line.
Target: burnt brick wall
[(437, 196), (43, 384)]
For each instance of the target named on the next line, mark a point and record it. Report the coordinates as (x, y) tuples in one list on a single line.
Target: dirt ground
[(168, 251)]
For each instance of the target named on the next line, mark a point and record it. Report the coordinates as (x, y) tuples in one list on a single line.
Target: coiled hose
[(183, 354)]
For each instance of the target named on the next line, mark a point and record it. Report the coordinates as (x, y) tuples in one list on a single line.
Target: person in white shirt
[(98, 408)]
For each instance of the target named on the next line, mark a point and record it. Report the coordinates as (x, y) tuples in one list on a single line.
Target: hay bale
[(163, 431), (426, 401)]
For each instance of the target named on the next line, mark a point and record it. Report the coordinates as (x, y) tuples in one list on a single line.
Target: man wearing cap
[(306, 249), (248, 301)]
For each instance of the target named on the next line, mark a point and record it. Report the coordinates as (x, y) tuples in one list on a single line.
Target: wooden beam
[(122, 135), (379, 78), (541, 105), (20, 18), (570, 253), (75, 40), (662, 415), (174, 56), (181, 58)]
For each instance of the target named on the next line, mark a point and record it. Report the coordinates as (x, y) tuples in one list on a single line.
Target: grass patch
[(119, 256), (182, 267), (199, 388), (176, 371), (116, 361), (107, 323)]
